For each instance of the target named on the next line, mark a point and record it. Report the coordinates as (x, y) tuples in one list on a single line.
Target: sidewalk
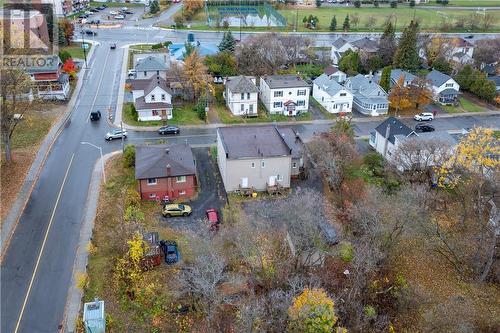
[(74, 299), (307, 122), (31, 179)]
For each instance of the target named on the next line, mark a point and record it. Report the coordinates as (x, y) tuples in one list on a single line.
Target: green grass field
[(184, 115), (465, 105), (226, 117), (75, 50), (430, 19), (466, 3)]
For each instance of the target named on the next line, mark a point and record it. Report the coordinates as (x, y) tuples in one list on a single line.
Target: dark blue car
[(171, 252)]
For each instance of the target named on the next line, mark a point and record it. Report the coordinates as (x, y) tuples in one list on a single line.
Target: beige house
[(258, 157)]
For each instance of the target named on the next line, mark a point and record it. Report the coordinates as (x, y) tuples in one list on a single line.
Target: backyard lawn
[(184, 115), (430, 19)]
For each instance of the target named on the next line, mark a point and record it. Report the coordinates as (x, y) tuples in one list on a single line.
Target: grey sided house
[(258, 157)]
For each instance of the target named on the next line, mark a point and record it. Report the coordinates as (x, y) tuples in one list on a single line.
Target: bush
[(133, 112), (346, 252), (199, 108), (129, 156), (64, 55), (374, 162), (394, 4), (160, 45), (357, 3)]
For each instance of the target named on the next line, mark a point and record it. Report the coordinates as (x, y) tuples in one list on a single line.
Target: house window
[(449, 85), (182, 192), (252, 165), (335, 106), (152, 195), (301, 103), (262, 164), (294, 165), (145, 73), (152, 181), (322, 98), (301, 92), (242, 96), (157, 72), (155, 112), (181, 179), (372, 137), (153, 97), (343, 94), (278, 104), (251, 108), (278, 93), (242, 107), (279, 178), (248, 95), (162, 97)]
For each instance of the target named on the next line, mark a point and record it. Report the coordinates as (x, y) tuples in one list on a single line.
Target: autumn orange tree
[(399, 98), (69, 67), (191, 6), (312, 312), (419, 92), (195, 74)]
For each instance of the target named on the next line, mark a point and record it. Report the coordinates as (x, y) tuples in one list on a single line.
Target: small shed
[(94, 318)]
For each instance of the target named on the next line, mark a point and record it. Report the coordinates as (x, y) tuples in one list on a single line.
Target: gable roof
[(253, 142), (285, 81), (241, 84), (460, 42), (151, 161), (495, 79), (396, 74), (150, 63), (366, 44), (339, 42), (437, 78), (396, 128), (332, 87), (141, 104), (332, 70), (157, 82), (363, 85)]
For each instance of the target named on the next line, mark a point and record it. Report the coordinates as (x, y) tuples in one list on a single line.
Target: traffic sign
[(85, 46)]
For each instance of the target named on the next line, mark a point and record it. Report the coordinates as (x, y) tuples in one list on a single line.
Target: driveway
[(211, 193)]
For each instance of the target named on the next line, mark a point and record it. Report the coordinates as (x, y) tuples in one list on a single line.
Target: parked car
[(171, 251), (119, 17), (94, 10), (113, 12), (469, 37), (100, 7), (213, 219), (89, 32), (168, 129), (131, 72), (83, 16), (176, 210), (95, 115), (421, 128), (112, 46), (116, 134), (424, 116)]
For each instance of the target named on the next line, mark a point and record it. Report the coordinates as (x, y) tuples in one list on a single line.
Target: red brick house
[(165, 171)]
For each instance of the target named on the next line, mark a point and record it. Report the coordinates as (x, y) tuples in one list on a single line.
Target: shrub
[(133, 112), (346, 252), (64, 55), (160, 45), (394, 4), (370, 311), (129, 156), (199, 108), (357, 3)]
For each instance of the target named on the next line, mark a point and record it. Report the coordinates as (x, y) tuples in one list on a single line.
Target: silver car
[(116, 134)]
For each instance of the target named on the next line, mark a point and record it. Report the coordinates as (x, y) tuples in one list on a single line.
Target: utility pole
[(83, 46), (386, 142), (123, 144)]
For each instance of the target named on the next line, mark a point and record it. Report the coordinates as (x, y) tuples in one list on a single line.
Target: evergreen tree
[(387, 44), (228, 43), (189, 49), (154, 7), (385, 79), (442, 65), (318, 3), (465, 77), (350, 63), (61, 38), (406, 56), (333, 24), (346, 26), (357, 3)]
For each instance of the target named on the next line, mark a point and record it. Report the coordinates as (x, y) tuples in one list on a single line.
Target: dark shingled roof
[(241, 84), (152, 161), (150, 63), (253, 142), (285, 81), (396, 128), (293, 141), (140, 104), (331, 70), (437, 78)]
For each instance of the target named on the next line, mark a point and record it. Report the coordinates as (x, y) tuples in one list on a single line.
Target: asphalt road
[(37, 267)]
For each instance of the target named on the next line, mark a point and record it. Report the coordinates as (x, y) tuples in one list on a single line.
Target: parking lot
[(112, 14), (211, 194)]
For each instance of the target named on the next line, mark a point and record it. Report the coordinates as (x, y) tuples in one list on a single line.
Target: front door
[(244, 182)]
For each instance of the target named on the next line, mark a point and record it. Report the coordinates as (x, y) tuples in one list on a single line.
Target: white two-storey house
[(152, 99), (445, 90), (284, 94), (241, 95), (331, 95)]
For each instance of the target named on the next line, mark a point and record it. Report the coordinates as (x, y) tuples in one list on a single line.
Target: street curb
[(10, 223), (121, 90), (74, 298), (306, 122)]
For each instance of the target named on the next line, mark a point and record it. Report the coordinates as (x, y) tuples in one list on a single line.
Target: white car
[(131, 72), (424, 116), (113, 12), (116, 134), (119, 17)]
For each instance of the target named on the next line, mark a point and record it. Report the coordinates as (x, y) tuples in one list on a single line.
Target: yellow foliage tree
[(195, 73), (128, 272), (400, 98), (312, 312), (475, 155), (191, 6)]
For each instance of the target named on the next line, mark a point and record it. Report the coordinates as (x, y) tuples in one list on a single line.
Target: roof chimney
[(169, 168), (167, 151)]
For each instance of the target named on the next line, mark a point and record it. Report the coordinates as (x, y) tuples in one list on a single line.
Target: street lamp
[(102, 160)]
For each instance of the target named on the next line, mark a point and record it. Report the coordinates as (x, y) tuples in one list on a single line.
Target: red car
[(213, 218)]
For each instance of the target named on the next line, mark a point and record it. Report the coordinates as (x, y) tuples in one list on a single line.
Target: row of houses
[(256, 158)]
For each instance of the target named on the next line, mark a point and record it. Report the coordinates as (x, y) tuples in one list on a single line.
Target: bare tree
[(15, 87), (489, 21), (261, 55), (487, 51), (295, 47)]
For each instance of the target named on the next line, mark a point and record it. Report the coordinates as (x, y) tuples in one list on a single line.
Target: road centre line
[(98, 86)]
